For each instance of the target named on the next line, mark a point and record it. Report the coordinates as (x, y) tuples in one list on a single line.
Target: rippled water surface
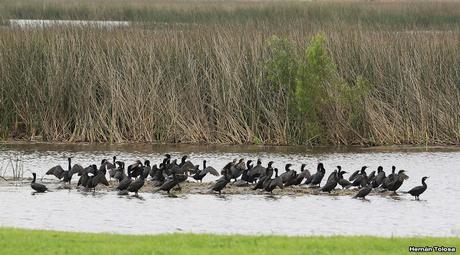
[(437, 214)]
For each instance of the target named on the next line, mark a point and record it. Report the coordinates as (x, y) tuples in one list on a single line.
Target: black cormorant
[(304, 174), (200, 174), (353, 175), (60, 173), (137, 184), (289, 176), (267, 176), (397, 181), (318, 176), (237, 169), (417, 191), (84, 175), (244, 176), (363, 192), (124, 184), (361, 179), (331, 183), (220, 184), (257, 171), (120, 171), (172, 182), (342, 181), (38, 187), (389, 179), (112, 167), (332, 175), (379, 177), (271, 184), (371, 176), (146, 169), (96, 179), (136, 169)]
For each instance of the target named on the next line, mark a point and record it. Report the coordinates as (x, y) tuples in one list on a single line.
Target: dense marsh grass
[(18, 241), (336, 73)]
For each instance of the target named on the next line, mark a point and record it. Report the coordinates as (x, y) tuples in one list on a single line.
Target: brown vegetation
[(350, 73)]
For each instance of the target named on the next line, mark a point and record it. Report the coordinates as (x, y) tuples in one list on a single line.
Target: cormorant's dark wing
[(354, 175), (132, 166), (188, 166), (304, 174), (56, 171), (404, 176), (285, 176), (76, 169), (210, 170), (256, 171)]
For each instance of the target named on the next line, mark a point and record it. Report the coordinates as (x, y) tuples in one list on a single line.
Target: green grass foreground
[(18, 241)]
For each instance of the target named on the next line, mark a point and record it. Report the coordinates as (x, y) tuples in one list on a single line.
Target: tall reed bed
[(290, 82)]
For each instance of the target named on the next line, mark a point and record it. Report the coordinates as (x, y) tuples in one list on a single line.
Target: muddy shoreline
[(191, 187)]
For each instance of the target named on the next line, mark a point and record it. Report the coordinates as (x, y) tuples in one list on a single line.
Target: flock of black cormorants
[(170, 173)]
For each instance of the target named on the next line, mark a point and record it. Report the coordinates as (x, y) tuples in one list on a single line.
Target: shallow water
[(41, 23), (438, 214)]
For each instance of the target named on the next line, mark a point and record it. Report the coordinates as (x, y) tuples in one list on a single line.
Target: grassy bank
[(211, 72), (15, 241)]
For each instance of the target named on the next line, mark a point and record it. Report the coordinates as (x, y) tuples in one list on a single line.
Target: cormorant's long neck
[(35, 177), (204, 164), (70, 164), (424, 183)]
